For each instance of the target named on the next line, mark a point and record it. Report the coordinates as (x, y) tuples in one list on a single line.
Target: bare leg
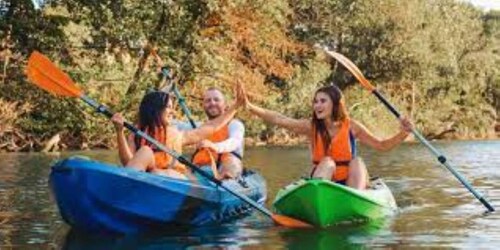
[(358, 175), (325, 169), (142, 160), (169, 173), (231, 167)]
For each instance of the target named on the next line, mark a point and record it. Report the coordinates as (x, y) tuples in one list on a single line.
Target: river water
[(436, 211)]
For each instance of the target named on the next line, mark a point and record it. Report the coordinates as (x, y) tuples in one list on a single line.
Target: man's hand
[(207, 144)]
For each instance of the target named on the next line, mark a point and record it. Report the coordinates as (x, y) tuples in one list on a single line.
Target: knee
[(145, 150), (142, 159), (232, 165), (172, 174), (357, 168), (327, 161), (356, 163)]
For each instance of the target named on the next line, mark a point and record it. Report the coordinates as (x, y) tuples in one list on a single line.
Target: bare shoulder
[(305, 127), (356, 127), (174, 131), (354, 123)]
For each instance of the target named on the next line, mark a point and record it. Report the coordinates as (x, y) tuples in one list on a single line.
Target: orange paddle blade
[(290, 222), (349, 65), (42, 72)]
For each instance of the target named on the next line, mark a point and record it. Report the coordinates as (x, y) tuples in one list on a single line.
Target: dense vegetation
[(436, 60)]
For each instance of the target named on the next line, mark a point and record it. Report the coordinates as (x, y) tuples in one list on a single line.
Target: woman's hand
[(241, 95), (118, 121), (406, 124)]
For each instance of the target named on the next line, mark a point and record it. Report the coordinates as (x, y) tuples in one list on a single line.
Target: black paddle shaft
[(182, 159), (386, 103)]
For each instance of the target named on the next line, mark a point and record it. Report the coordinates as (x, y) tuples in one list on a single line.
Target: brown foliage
[(12, 138)]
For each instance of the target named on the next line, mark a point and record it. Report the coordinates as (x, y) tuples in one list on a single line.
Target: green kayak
[(324, 203)]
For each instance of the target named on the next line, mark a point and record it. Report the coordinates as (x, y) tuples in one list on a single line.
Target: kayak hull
[(99, 197), (324, 203)]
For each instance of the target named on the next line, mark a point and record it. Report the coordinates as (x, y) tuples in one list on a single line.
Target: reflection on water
[(342, 237), (435, 210), (234, 235), (227, 235)]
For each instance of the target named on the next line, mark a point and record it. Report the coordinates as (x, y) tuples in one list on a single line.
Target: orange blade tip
[(290, 222)]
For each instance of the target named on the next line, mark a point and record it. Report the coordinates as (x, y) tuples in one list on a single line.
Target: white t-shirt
[(234, 143)]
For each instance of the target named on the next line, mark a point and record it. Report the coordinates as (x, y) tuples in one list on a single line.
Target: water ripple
[(436, 211)]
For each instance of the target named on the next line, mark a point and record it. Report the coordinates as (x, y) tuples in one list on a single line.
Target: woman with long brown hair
[(332, 135)]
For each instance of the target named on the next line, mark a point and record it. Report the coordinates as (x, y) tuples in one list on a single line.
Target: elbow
[(124, 161), (383, 147)]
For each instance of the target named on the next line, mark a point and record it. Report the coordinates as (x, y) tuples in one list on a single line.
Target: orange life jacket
[(162, 159), (202, 157), (342, 150)]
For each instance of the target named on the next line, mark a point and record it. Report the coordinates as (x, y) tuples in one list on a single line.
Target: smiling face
[(213, 103), (168, 112), (322, 105)]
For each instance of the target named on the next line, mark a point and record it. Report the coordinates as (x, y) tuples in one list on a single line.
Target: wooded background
[(437, 61)]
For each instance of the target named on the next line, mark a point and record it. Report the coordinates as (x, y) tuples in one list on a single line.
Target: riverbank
[(56, 145)]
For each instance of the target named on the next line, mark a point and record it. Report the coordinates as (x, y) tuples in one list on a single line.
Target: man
[(224, 147)]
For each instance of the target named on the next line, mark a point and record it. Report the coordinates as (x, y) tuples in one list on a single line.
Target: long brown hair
[(151, 109), (339, 113)]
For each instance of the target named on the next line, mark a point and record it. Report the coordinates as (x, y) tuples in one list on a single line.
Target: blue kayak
[(99, 197)]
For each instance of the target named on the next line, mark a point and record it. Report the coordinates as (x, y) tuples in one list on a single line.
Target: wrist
[(251, 107), (215, 148), (404, 133), (232, 107)]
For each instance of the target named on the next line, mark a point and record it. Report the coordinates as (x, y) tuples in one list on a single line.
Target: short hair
[(213, 88)]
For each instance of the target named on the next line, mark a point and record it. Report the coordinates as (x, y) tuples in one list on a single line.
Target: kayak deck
[(95, 196), (324, 203)]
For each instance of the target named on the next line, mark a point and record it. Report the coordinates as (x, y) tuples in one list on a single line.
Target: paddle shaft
[(440, 157), (180, 98), (182, 159), (185, 109)]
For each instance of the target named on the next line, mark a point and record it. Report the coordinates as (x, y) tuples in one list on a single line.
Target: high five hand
[(241, 96)]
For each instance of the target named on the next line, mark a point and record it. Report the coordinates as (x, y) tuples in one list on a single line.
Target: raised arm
[(367, 138), (302, 126), (126, 148), (234, 141), (208, 128)]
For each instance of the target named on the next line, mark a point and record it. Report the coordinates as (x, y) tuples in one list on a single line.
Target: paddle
[(43, 73), (182, 102), (172, 87), (180, 99), (440, 157)]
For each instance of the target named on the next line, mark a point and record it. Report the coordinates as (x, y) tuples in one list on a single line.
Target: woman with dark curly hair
[(155, 116)]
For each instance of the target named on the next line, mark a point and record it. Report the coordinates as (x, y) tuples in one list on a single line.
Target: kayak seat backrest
[(247, 172)]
